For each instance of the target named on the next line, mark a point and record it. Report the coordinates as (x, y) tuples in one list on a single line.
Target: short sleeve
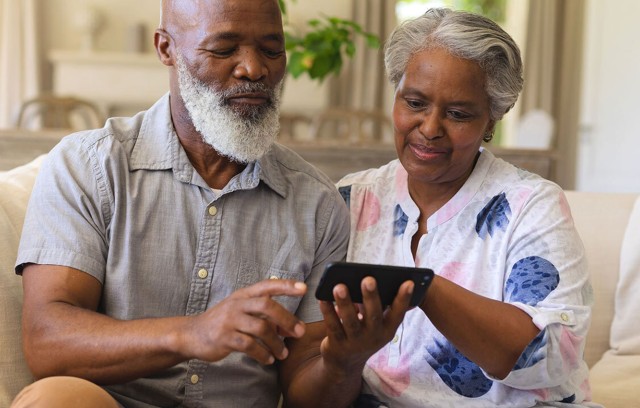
[(548, 279), (65, 223)]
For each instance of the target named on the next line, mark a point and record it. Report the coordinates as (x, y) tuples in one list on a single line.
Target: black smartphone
[(388, 279)]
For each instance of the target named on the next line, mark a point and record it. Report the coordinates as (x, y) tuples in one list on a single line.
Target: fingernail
[(271, 360), (299, 329), (370, 284), (284, 354), (300, 285)]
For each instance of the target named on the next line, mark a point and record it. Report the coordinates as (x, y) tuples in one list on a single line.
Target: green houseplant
[(322, 49)]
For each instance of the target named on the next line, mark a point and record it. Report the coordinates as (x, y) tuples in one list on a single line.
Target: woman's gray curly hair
[(465, 35)]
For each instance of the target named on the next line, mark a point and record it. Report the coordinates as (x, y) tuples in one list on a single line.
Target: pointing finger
[(274, 287)]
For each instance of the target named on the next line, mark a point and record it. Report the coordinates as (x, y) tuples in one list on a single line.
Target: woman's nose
[(431, 125)]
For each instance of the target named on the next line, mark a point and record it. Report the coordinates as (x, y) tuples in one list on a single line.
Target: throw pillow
[(625, 336)]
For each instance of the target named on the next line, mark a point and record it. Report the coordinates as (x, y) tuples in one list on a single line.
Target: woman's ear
[(164, 46), (488, 134), (491, 128)]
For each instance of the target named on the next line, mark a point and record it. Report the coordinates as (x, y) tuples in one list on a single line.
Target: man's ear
[(164, 46)]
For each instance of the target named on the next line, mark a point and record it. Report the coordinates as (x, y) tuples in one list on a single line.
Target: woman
[(505, 319)]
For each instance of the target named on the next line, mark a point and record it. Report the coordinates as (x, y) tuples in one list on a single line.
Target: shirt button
[(202, 273), (395, 339), (195, 379), (273, 277), (213, 210), (564, 317)]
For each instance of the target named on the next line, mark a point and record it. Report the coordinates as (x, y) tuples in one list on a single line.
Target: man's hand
[(356, 332), (112, 351), (249, 321)]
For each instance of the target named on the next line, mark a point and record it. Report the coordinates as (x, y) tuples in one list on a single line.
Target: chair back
[(59, 112), (535, 130), (352, 126)]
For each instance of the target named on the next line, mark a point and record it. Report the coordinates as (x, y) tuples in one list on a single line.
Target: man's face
[(230, 63), (241, 132)]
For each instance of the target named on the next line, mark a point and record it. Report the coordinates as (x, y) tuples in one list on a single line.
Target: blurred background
[(574, 123)]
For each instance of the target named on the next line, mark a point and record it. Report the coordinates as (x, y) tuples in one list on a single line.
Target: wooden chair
[(292, 125), (59, 112), (351, 126)]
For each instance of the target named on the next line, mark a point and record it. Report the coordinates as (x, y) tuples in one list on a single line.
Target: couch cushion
[(15, 187), (625, 333), (615, 381)]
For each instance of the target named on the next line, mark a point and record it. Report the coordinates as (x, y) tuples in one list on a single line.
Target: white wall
[(302, 95), (609, 149), (60, 33)]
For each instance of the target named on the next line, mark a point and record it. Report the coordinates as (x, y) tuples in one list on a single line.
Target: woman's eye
[(458, 115), (414, 104)]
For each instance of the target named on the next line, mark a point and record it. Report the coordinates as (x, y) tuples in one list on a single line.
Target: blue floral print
[(531, 280), (532, 353), (368, 401), (400, 221), (494, 216), (345, 192), (457, 371)]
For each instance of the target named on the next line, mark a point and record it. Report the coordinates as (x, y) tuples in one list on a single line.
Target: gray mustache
[(247, 88)]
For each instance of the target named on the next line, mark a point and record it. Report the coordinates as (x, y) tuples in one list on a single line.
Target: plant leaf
[(283, 7), (295, 66)]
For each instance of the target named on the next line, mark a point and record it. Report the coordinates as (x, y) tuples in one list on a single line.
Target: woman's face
[(440, 115)]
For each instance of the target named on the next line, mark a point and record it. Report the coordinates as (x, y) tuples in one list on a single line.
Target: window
[(494, 9)]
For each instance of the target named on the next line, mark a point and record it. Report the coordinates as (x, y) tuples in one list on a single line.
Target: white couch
[(613, 345)]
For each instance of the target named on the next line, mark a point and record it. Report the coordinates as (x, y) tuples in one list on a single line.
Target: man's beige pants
[(64, 392)]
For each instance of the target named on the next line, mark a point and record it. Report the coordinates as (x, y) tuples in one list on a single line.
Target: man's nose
[(251, 66)]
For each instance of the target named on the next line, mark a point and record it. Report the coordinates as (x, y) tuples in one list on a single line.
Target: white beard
[(241, 135)]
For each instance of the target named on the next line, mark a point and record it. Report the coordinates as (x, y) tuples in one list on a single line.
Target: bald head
[(179, 15)]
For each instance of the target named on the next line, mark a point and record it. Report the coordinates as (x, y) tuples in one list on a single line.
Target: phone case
[(388, 278)]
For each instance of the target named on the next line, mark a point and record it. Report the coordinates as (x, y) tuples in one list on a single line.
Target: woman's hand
[(356, 331)]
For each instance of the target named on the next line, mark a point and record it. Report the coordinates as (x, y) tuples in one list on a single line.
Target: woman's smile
[(426, 153)]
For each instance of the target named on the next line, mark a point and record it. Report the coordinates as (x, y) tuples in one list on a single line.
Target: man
[(162, 256)]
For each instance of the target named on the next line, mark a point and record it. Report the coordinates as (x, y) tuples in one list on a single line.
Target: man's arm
[(324, 367), (64, 335)]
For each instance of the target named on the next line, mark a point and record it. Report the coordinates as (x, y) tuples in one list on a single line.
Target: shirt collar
[(271, 172), (462, 197), (156, 142)]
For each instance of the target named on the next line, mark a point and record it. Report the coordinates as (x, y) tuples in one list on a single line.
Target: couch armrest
[(15, 189)]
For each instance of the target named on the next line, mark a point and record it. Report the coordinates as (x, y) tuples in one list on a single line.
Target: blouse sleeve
[(548, 279)]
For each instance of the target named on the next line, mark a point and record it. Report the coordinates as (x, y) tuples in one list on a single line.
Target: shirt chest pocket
[(250, 273)]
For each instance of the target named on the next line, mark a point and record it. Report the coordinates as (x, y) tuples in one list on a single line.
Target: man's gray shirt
[(125, 205)]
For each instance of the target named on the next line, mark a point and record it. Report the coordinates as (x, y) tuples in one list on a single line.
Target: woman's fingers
[(347, 312), (395, 314), (332, 321), (371, 305)]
